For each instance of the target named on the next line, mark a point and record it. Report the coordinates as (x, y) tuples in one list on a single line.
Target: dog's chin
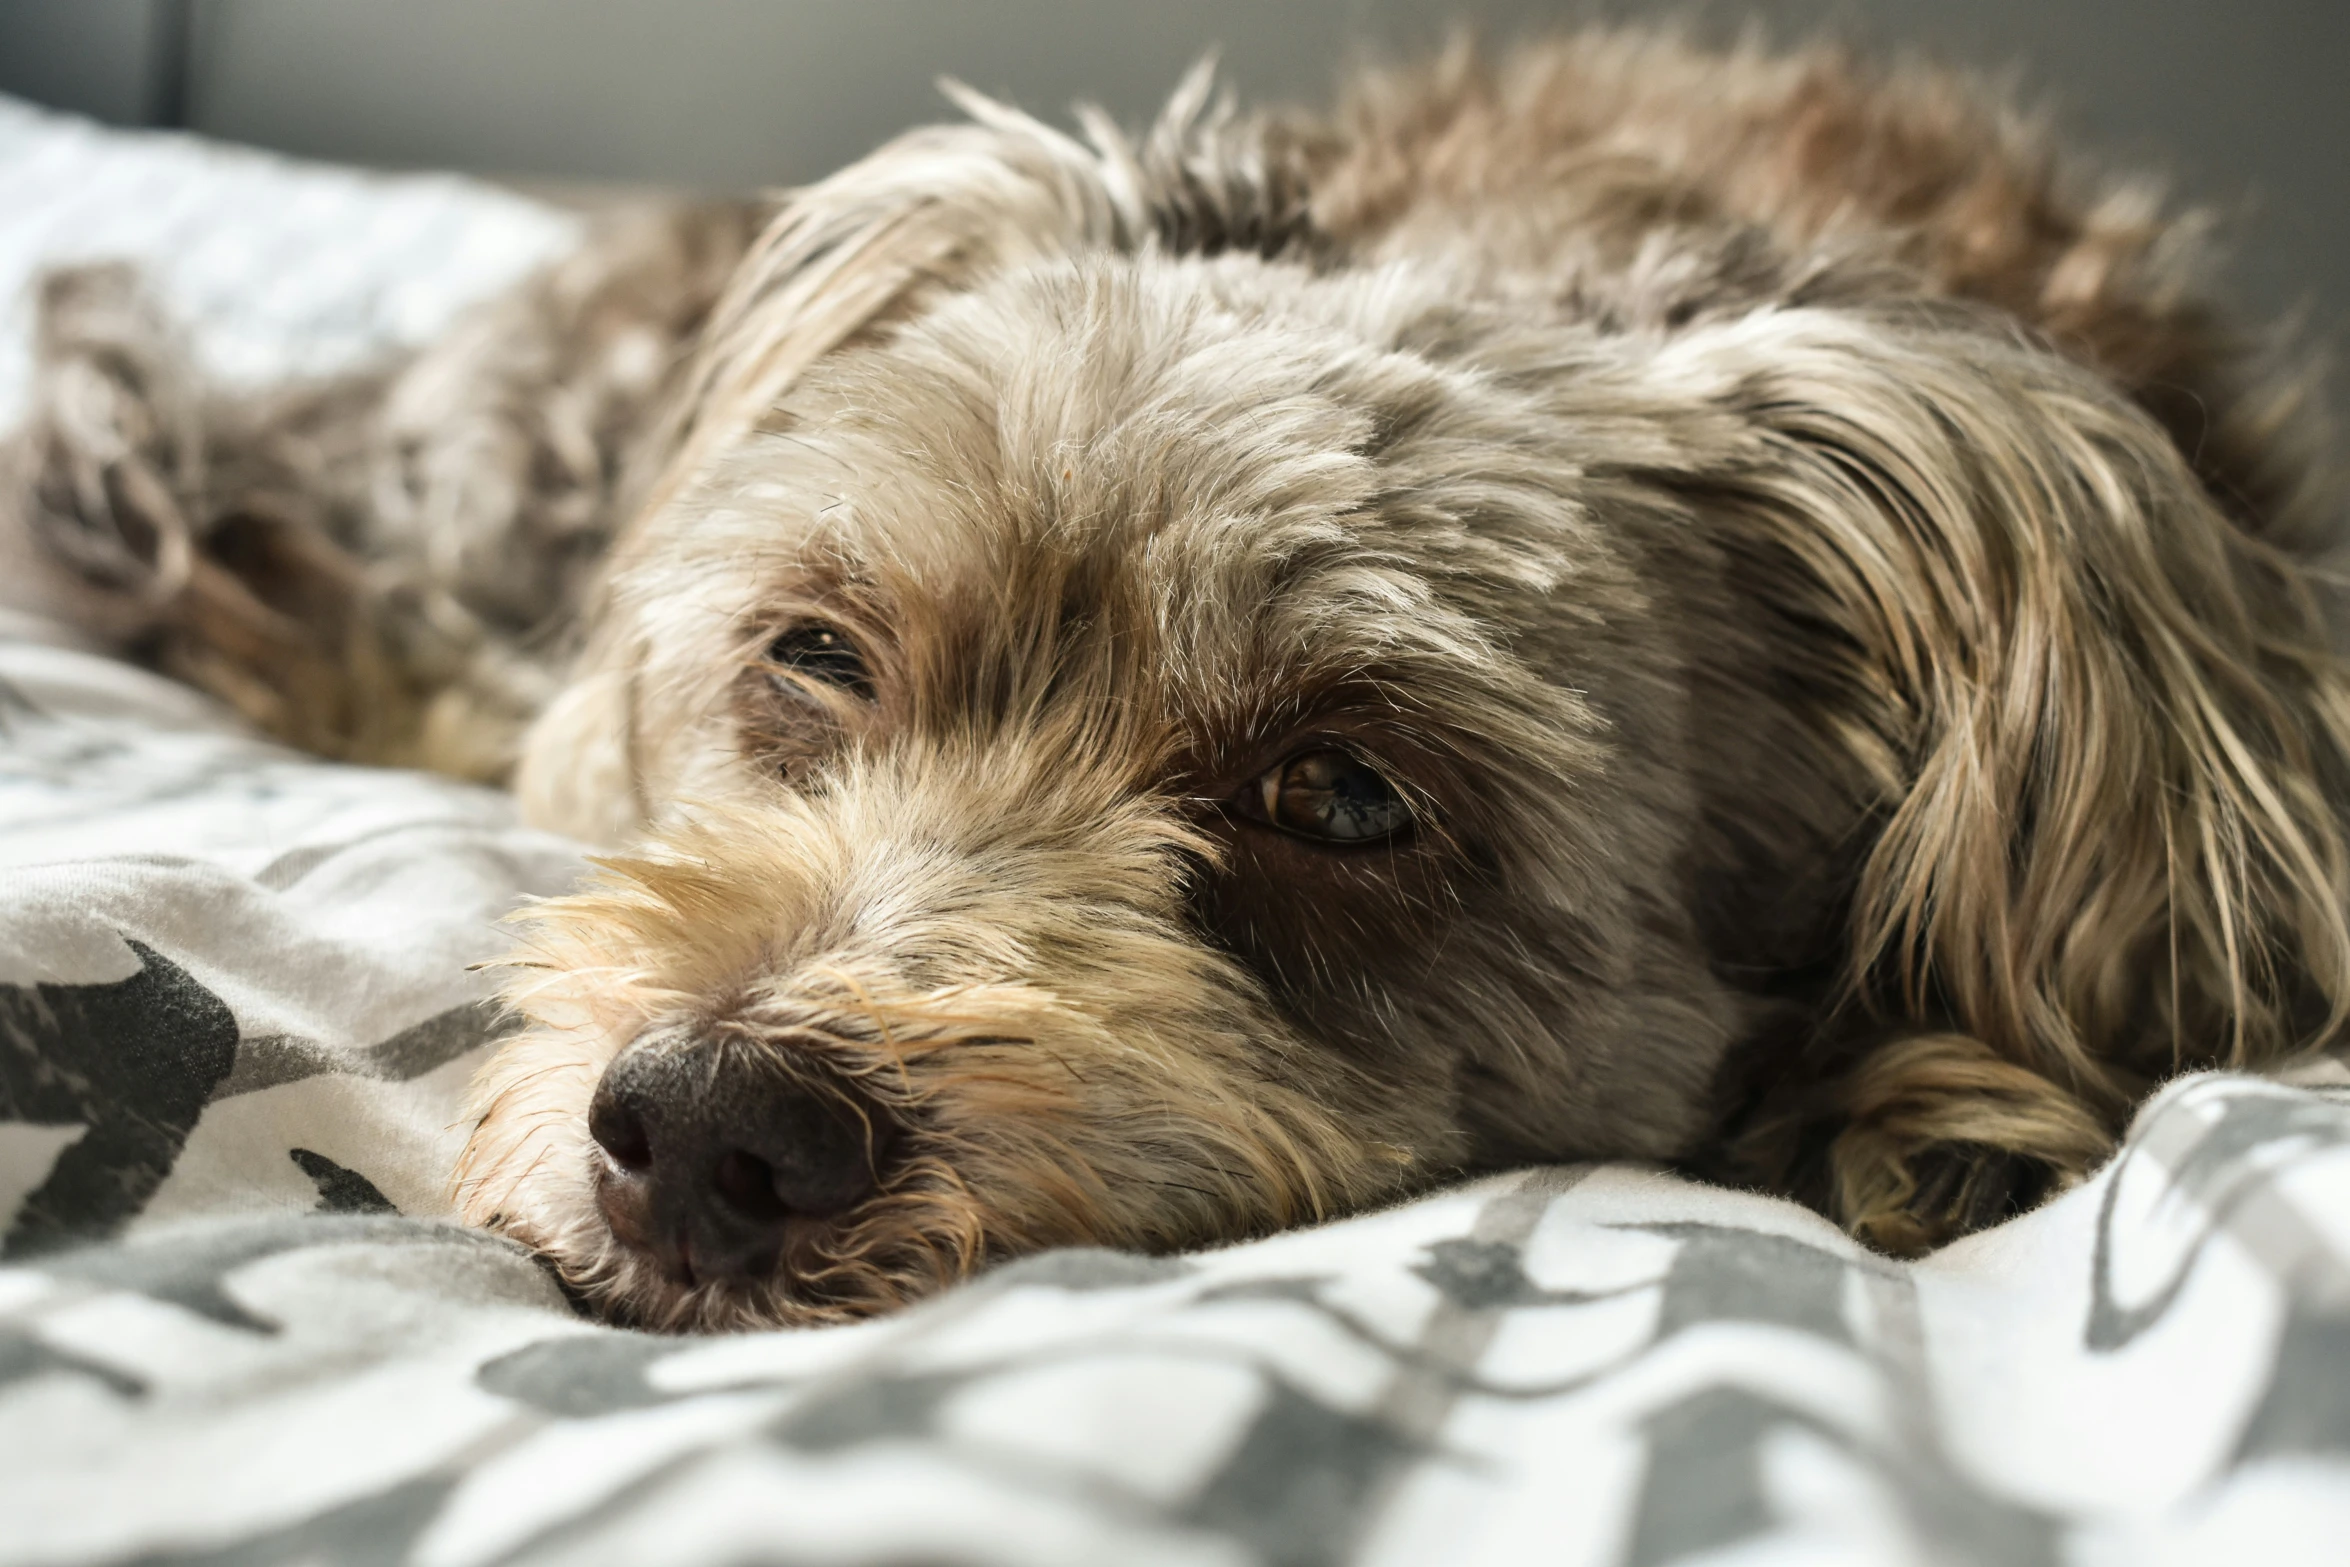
[(631, 1291), (817, 1279)]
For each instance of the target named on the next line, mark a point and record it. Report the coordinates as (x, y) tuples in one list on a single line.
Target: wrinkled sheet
[(236, 1326)]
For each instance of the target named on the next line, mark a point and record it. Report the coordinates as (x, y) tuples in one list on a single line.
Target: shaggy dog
[(1629, 602)]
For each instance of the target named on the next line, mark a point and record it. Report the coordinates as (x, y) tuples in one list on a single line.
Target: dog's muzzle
[(717, 1165)]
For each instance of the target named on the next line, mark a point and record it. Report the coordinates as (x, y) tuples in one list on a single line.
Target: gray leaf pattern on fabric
[(226, 1101)]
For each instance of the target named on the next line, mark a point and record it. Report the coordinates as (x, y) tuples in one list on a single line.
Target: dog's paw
[(106, 459), (1955, 1189), (1942, 1136)]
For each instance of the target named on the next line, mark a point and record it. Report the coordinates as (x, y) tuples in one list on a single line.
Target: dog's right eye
[(1329, 795), (820, 653)]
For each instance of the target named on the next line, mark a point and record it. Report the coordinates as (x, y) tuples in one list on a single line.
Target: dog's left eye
[(1330, 795), (821, 653)]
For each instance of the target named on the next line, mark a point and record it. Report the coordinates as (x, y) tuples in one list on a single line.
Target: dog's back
[(1648, 183)]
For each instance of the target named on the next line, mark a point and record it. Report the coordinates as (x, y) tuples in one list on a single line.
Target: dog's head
[(1139, 747), (1118, 752)]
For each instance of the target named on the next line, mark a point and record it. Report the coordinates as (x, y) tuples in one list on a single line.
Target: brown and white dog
[(1628, 602)]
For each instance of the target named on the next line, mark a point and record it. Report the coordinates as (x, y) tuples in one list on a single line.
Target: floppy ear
[(941, 207), (578, 772), (931, 212), (2106, 733)]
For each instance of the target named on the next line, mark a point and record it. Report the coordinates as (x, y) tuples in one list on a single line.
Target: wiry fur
[(1841, 609)]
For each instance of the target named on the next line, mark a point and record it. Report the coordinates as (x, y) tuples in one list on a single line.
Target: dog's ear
[(578, 772), (942, 207), (2105, 734), (929, 213)]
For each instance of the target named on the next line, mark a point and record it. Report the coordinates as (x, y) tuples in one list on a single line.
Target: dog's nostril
[(746, 1183), (619, 1129), (805, 1157)]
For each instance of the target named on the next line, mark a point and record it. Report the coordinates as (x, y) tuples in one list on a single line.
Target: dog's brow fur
[(1842, 613)]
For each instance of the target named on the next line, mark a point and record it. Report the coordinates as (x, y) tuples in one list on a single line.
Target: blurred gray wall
[(2243, 103)]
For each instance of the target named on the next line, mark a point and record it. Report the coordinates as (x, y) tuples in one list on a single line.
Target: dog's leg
[(97, 536), (384, 567), (117, 525)]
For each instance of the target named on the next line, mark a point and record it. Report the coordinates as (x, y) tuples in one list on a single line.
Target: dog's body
[(1642, 603)]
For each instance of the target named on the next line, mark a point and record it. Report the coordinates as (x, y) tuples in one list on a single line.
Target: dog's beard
[(1058, 1059)]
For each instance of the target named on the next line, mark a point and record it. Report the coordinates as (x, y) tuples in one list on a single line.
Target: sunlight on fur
[(1619, 600)]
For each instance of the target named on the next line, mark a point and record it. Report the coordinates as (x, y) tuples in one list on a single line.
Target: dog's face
[(1128, 766)]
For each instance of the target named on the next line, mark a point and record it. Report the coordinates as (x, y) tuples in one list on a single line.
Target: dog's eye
[(1328, 794), (822, 654)]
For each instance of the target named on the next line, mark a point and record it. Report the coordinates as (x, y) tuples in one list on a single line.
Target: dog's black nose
[(712, 1157)]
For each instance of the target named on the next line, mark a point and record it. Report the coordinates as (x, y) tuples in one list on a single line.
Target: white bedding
[(235, 1326), (275, 267)]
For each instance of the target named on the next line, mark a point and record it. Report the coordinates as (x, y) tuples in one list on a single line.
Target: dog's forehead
[(1188, 453), (1126, 412)]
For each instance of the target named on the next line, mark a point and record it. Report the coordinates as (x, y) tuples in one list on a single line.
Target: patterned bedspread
[(236, 1327)]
